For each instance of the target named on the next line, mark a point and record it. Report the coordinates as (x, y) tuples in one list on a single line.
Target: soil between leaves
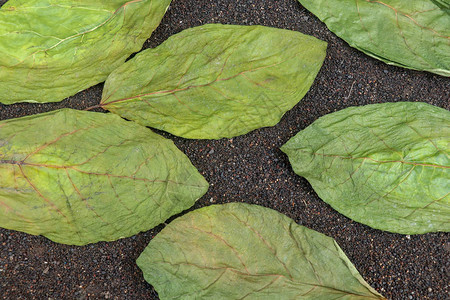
[(251, 169)]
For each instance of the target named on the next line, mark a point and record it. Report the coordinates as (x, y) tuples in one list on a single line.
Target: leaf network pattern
[(414, 34), (71, 46), (259, 252), (215, 80), (103, 180), (386, 157)]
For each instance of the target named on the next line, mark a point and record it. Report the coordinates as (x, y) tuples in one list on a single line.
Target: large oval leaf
[(237, 251), (81, 177), (216, 80), (384, 165), (412, 34), (51, 49)]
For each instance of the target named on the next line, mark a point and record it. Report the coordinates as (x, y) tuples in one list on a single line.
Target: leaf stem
[(94, 107)]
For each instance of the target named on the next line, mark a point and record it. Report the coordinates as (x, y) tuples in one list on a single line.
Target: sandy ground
[(251, 169)]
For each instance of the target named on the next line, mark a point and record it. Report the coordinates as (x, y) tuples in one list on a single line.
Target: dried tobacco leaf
[(383, 165), (81, 177), (215, 80), (413, 34), (237, 251), (52, 49)]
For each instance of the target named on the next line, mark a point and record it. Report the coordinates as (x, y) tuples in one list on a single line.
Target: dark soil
[(251, 169)]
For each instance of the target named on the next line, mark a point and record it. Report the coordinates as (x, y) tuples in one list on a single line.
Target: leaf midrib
[(22, 163), (294, 280), (80, 33), (375, 160), (103, 103)]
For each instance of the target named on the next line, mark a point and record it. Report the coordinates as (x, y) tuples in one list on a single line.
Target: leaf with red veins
[(81, 177), (243, 251), (383, 165), (413, 34), (215, 80)]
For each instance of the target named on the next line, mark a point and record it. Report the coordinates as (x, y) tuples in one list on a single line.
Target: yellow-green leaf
[(384, 165), (81, 177), (413, 34), (52, 49), (242, 251), (215, 80)]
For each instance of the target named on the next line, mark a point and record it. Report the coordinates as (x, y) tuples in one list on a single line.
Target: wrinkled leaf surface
[(215, 80), (237, 251), (384, 165), (412, 34), (51, 49), (81, 177)]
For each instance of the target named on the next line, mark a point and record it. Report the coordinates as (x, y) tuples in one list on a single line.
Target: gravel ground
[(248, 168)]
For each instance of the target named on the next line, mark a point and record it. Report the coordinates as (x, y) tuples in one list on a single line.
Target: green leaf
[(412, 34), (52, 49), (215, 80), (384, 165), (237, 251), (81, 177)]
